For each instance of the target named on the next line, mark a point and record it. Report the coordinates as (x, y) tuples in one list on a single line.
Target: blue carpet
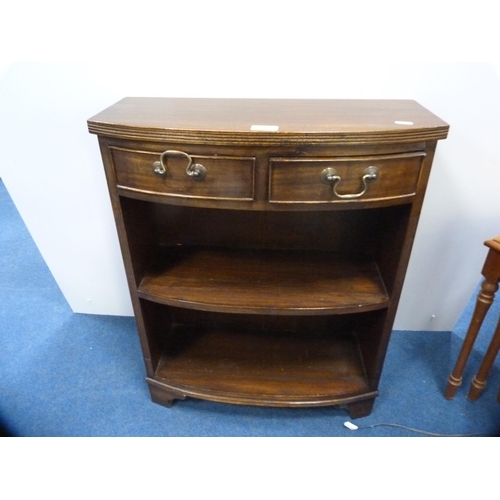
[(65, 374)]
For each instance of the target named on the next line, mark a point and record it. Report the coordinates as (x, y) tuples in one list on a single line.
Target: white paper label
[(351, 426), (402, 122), (264, 128)]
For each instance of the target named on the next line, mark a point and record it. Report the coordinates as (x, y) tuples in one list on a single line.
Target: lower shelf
[(263, 367)]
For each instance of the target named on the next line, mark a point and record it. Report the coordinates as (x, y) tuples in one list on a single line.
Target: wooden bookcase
[(266, 241)]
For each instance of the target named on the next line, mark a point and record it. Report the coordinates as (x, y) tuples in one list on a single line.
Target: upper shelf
[(280, 282), (268, 121)]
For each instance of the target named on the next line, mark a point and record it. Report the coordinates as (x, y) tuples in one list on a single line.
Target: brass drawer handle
[(330, 176), (196, 171)]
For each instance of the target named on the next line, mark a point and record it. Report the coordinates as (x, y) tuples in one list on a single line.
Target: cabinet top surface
[(268, 120)]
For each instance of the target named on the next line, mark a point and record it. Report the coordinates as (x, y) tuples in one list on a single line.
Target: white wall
[(53, 171)]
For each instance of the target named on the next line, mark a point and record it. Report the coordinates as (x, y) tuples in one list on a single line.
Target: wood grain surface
[(264, 281)]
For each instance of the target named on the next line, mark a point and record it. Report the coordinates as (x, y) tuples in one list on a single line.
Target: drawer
[(179, 174), (337, 180)]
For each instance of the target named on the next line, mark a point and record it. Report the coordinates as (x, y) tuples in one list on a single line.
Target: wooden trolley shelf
[(264, 281)]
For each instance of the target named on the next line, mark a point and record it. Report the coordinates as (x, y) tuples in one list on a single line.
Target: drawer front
[(224, 177), (337, 180)]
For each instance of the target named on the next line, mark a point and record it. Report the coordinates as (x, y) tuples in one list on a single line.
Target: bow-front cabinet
[(266, 241)]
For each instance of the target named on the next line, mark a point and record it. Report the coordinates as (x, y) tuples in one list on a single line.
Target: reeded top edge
[(268, 121)]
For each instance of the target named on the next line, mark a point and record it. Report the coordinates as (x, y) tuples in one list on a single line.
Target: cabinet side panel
[(128, 251), (374, 345)]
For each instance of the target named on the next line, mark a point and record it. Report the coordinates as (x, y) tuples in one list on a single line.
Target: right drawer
[(343, 179)]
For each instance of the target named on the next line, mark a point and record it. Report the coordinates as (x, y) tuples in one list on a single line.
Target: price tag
[(264, 128)]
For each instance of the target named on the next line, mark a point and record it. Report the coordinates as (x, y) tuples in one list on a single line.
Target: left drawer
[(178, 173)]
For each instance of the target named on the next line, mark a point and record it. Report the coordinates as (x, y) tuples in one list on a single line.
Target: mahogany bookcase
[(266, 241)]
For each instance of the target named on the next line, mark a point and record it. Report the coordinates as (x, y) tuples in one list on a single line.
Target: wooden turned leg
[(483, 303), (479, 381), (360, 408)]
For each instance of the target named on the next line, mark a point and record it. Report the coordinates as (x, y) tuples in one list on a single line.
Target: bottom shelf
[(263, 367)]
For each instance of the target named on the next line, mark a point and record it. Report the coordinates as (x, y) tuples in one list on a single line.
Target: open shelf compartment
[(263, 367), (264, 281)]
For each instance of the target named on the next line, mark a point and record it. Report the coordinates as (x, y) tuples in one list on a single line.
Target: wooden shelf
[(262, 367), (285, 282)]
